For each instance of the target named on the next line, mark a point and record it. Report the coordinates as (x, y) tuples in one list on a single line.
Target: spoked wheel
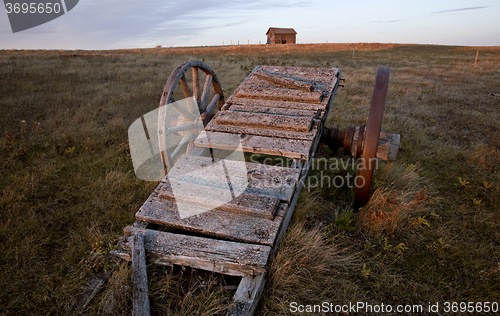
[(371, 138), (177, 130)]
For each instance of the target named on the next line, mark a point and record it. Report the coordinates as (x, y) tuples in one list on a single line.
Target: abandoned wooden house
[(277, 35)]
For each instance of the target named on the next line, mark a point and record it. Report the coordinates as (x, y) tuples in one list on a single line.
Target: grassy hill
[(431, 232)]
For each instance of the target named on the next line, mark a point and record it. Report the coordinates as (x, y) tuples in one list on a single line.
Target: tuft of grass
[(307, 269), (117, 296), (394, 206), (185, 291)]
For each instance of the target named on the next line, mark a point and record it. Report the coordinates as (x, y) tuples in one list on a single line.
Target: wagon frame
[(279, 111)]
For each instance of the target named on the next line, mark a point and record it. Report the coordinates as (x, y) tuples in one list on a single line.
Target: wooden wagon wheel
[(371, 138), (186, 122)]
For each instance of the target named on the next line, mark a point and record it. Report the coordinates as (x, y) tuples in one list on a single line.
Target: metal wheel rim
[(372, 133)]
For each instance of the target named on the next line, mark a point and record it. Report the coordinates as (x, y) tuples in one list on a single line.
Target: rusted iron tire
[(209, 99), (372, 133)]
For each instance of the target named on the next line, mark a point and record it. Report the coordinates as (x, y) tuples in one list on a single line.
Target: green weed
[(344, 220)]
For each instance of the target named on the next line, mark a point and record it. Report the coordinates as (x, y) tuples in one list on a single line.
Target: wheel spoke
[(213, 103), (184, 111), (183, 145), (163, 116), (196, 85), (185, 87), (206, 92), (187, 94), (182, 128)]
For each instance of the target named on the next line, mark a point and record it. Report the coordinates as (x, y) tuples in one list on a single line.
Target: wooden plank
[(271, 110), (213, 197), (304, 168), (140, 224), (268, 121), (233, 99), (260, 178), (246, 298), (217, 223), (324, 75), (220, 256), (139, 277), (244, 130), (388, 146), (92, 287), (284, 81), (288, 215), (121, 253), (199, 151), (283, 94), (292, 148), (255, 81), (325, 79)]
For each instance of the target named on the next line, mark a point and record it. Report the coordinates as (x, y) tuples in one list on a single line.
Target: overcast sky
[(108, 24)]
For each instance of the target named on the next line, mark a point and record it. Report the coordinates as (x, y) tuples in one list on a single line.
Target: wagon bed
[(278, 111)]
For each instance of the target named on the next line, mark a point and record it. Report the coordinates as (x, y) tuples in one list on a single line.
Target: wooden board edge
[(140, 293), (247, 296)]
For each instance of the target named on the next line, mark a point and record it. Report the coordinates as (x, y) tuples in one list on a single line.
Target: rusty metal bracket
[(341, 85)]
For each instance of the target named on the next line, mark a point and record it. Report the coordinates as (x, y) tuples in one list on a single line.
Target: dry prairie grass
[(309, 268), (430, 233)]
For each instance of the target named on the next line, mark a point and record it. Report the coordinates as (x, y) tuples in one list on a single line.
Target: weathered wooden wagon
[(277, 111)]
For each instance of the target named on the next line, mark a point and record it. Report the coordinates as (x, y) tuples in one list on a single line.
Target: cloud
[(183, 24), (172, 23), (461, 9), (435, 12), (390, 21), (108, 24)]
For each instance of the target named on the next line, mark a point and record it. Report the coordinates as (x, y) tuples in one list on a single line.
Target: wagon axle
[(334, 138), (367, 142), (355, 142)]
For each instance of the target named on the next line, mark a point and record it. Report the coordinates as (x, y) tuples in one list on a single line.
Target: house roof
[(281, 31)]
